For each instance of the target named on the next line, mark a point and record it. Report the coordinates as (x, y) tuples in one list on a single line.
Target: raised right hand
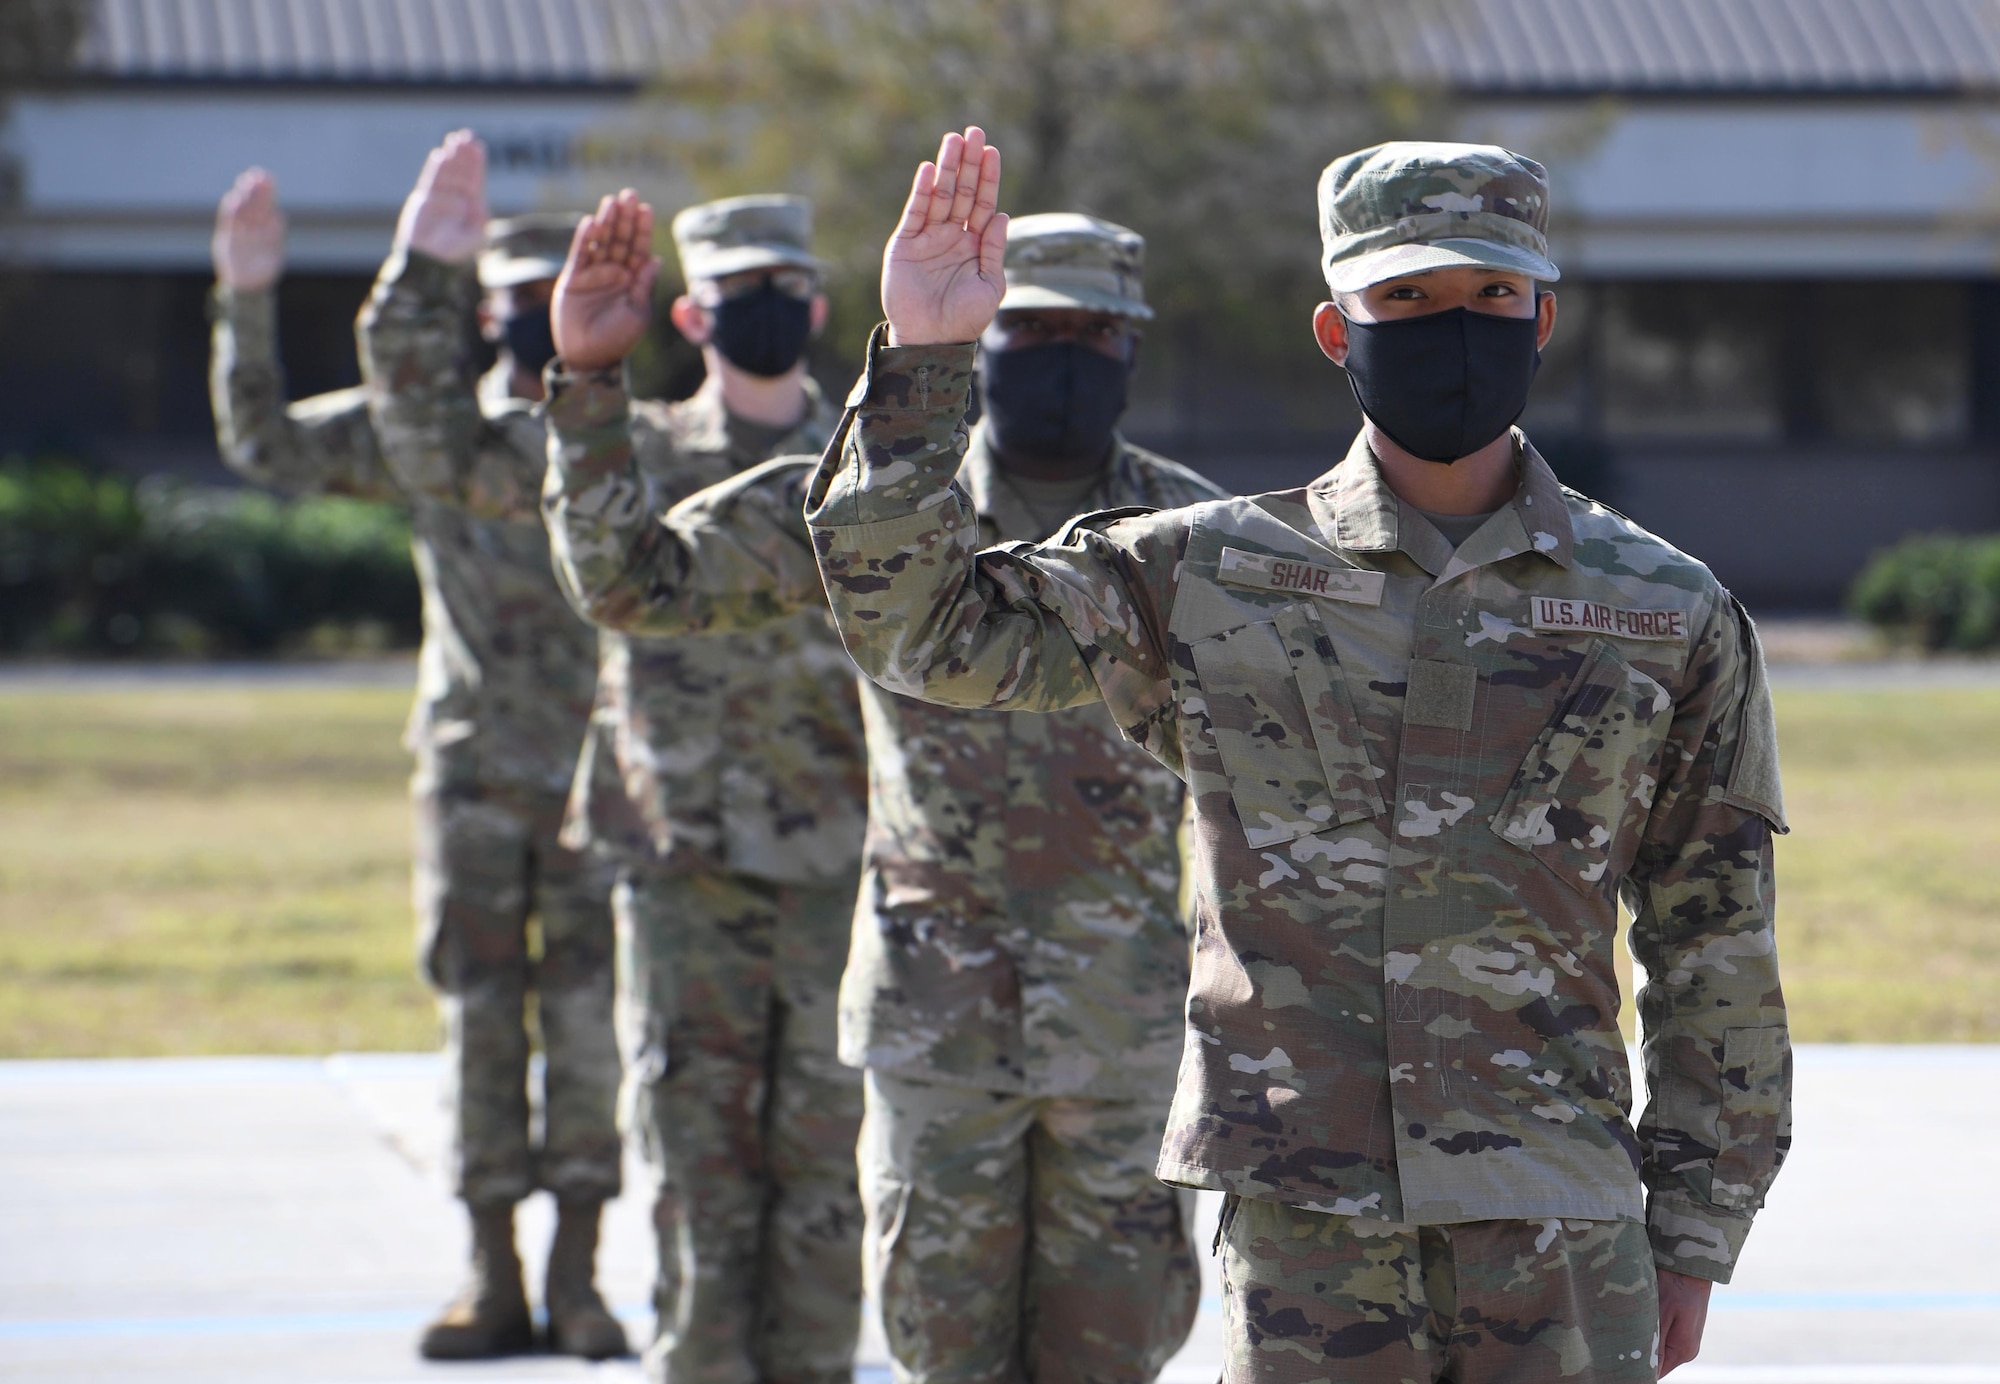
[(942, 273), (249, 243), (604, 297), (445, 214)]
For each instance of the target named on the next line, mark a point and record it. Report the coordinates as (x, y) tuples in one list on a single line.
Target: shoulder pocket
[(1590, 773), (1285, 727)]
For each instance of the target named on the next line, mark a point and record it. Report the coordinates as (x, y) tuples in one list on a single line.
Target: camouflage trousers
[(747, 1121), (1311, 1297), (487, 867), (1022, 1238)]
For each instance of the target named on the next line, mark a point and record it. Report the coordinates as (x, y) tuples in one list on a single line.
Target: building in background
[(1779, 223)]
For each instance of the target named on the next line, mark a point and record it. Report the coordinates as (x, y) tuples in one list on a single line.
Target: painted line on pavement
[(396, 1319)]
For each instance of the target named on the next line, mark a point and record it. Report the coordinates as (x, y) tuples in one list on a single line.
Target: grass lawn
[(226, 869)]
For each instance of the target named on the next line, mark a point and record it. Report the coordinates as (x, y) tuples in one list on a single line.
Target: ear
[(1330, 331), (489, 321), (692, 320), (819, 312), (1545, 319)]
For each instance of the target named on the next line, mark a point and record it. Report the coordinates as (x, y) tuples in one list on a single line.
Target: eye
[(1497, 290), (1406, 292)]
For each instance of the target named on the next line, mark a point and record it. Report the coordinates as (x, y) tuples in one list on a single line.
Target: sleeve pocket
[(1285, 727), (1755, 1124)]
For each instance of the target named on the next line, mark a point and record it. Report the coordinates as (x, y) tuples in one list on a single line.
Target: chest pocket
[(1591, 774), (1285, 726)]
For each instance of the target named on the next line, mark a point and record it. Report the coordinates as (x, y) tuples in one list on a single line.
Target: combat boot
[(490, 1315), (579, 1322)]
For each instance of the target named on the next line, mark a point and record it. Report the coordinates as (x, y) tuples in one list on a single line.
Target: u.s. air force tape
[(1556, 615), (1289, 576)]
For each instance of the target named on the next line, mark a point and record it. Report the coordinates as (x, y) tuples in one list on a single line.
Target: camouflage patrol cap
[(1408, 206), (522, 249), (738, 234), (1064, 259)]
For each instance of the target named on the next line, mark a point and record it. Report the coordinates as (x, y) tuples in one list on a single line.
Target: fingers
[(950, 159), (965, 190), (986, 192), (916, 211), (993, 248), (641, 295), (642, 236)]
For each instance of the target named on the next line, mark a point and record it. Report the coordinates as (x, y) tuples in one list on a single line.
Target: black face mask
[(530, 338), (764, 331), (1058, 402), (1444, 385)]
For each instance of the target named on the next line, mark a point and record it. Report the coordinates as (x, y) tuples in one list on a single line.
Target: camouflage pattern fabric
[(748, 1123), (739, 751), (500, 710), (1313, 1299), (1096, 1282), (1423, 779), (1410, 206), (486, 858), (1019, 928)]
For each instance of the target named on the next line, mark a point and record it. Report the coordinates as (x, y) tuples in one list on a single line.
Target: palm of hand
[(251, 252), (448, 225), (598, 316), (932, 288)]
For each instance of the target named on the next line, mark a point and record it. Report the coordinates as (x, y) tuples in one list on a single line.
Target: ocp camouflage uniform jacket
[(1018, 927), (1423, 779), (499, 695), (737, 751)]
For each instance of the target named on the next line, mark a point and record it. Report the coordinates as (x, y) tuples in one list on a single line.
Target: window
[(1692, 359), (1892, 361)]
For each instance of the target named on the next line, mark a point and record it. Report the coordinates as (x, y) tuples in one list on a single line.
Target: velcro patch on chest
[(1289, 576), (1554, 615)]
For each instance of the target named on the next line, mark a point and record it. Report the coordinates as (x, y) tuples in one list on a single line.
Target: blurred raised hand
[(941, 273), (249, 243), (604, 297), (445, 214)]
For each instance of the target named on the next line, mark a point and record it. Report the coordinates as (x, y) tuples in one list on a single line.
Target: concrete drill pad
[(252, 1219)]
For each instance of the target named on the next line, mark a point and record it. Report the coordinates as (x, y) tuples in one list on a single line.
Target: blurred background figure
[(722, 776), (503, 699)]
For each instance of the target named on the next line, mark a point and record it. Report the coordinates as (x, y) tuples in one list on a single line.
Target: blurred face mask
[(1444, 385), (764, 331), (530, 338), (1058, 401)]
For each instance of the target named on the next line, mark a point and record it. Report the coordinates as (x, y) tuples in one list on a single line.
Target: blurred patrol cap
[(1064, 259), (522, 249), (739, 234), (1408, 206)]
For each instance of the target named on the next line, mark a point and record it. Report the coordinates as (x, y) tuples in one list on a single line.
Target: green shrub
[(1940, 591), (90, 564)]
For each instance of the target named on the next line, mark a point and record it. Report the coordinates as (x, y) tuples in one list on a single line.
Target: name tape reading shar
[(1262, 572)]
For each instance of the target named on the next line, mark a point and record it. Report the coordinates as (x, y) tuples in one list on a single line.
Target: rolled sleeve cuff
[(251, 314), (902, 440), (922, 379), (417, 273), (1696, 1240), (588, 413)]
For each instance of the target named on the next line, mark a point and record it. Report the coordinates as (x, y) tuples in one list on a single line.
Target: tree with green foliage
[(1199, 123)]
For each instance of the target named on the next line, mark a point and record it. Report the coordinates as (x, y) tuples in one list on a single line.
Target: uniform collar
[(1357, 511), (704, 426), (1002, 506)]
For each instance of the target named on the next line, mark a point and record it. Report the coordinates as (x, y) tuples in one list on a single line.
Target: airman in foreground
[(1438, 715)]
